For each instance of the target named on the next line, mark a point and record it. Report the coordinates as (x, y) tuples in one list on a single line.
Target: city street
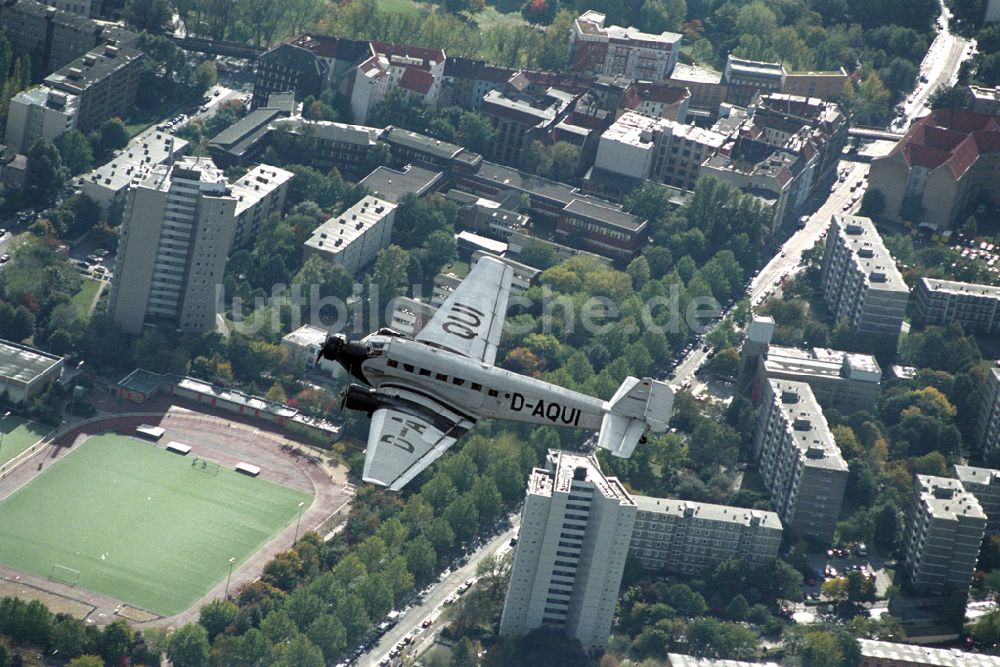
[(433, 603), (939, 68)]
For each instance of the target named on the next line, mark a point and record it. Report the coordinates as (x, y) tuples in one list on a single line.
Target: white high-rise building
[(179, 224), (568, 564)]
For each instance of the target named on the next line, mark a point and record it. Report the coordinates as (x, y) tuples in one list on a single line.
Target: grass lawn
[(18, 435), (83, 299), (139, 523)]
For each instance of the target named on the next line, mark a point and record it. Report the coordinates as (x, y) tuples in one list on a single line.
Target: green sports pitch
[(17, 435), (123, 518)]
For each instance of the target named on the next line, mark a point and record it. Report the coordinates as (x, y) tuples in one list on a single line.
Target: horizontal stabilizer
[(637, 406)]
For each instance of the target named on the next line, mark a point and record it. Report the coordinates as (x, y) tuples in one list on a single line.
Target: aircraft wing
[(471, 320), (400, 445)]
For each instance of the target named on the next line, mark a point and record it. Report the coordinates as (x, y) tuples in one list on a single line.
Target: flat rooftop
[(913, 654), (961, 289), (306, 336), (974, 475), (563, 468), (145, 151), (708, 511), (755, 68), (391, 185), (696, 74), (636, 129), (420, 142), (870, 254), (257, 183), (683, 660), (605, 214), (326, 130), (20, 364), (946, 498), (341, 230), (822, 362), (92, 67), (805, 422)]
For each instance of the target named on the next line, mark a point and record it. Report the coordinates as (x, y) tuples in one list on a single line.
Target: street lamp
[(228, 578), (296, 539)]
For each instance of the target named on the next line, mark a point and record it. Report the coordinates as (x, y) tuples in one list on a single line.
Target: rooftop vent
[(688, 510), (866, 253), (789, 397), (580, 473), (801, 424), (815, 453), (943, 493), (89, 59), (877, 277), (74, 73), (853, 229)]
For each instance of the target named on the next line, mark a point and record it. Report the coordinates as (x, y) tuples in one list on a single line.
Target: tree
[(69, 637), (115, 641), (299, 652), (475, 132), (329, 635), (110, 136), (188, 646), (75, 150), (737, 609), (148, 15), (565, 159), (205, 76), (873, 203), (390, 273), (216, 616), (45, 174), (463, 654)]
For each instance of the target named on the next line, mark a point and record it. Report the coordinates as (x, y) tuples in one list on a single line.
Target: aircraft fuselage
[(471, 388)]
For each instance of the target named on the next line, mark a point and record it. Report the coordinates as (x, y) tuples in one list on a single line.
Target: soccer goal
[(63, 574), (205, 465)]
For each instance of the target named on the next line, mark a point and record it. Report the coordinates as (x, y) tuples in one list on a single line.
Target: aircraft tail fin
[(637, 406)]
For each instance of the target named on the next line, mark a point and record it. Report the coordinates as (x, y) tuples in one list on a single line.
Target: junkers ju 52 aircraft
[(423, 394)]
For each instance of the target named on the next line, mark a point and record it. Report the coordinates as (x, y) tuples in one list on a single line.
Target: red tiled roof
[(642, 91), (952, 137), (416, 80)]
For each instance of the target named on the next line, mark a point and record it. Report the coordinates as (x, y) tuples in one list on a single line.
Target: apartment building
[(745, 79), (842, 381), (305, 64), (259, 193), (394, 184), (946, 161), (39, 113), (413, 71), (99, 85), (354, 237), (984, 484), (826, 85), (179, 223), (597, 48), (417, 148), (988, 424), (944, 531), (324, 144), (496, 219), (520, 118), (410, 315), (692, 538), (975, 307), (591, 225), (641, 148), (861, 283), (130, 166), (570, 556), (876, 653), (985, 100), (801, 464), (707, 88)]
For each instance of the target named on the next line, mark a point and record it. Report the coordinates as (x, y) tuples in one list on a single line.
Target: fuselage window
[(493, 393), (476, 386), (425, 372), (392, 363), (408, 368), (442, 377), (457, 382)]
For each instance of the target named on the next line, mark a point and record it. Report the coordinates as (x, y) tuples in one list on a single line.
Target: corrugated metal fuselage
[(474, 389)]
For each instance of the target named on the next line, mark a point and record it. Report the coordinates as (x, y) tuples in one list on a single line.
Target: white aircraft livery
[(423, 394)]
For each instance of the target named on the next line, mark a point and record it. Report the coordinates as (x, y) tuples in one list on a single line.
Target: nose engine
[(349, 354)]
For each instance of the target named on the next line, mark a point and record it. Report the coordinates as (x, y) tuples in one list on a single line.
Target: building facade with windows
[(861, 284), (943, 535), (975, 307), (984, 484), (988, 424), (616, 51), (691, 538), (801, 464), (179, 223), (570, 555)]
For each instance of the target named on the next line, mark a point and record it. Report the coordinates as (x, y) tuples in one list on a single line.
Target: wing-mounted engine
[(363, 399)]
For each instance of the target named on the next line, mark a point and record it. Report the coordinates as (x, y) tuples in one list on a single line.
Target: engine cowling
[(362, 399)]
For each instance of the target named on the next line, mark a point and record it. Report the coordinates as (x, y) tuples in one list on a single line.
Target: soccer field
[(139, 523), (18, 435)]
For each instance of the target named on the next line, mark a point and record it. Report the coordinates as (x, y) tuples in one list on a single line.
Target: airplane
[(424, 393)]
